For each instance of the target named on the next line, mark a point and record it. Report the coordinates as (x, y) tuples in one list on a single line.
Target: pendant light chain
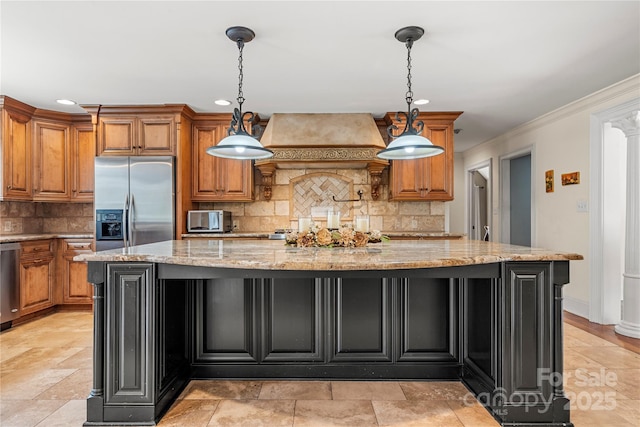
[(409, 94), (240, 98)]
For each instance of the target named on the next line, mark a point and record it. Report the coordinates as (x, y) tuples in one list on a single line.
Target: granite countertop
[(264, 235), (9, 238), (275, 255)]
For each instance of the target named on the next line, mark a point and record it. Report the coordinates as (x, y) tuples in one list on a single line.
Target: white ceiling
[(502, 63)]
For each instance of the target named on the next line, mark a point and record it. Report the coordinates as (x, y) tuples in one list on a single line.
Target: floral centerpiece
[(345, 236)]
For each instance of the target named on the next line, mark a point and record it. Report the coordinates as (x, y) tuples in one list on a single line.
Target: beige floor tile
[(613, 357), (192, 413), (628, 382), (218, 390), (27, 384), (366, 390), (39, 358), (296, 390), (435, 390), (575, 359), (7, 352), (81, 360), (414, 413), (600, 418), (72, 413), (584, 338), (258, 413), (327, 413), (27, 413), (629, 410), (472, 413), (74, 387)]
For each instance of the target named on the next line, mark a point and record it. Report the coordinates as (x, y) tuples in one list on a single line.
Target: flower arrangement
[(345, 236)]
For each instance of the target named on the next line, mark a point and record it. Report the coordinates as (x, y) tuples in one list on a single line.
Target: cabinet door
[(116, 136), (156, 136), (36, 276), (76, 288), (429, 178), (84, 153), (16, 157), (215, 178), (52, 161), (205, 167), (438, 170), (361, 320), (408, 179)]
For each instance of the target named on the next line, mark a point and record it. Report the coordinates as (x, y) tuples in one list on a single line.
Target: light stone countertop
[(10, 238), (275, 255), (264, 235)]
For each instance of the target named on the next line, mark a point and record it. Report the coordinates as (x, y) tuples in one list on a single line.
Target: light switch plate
[(582, 206)]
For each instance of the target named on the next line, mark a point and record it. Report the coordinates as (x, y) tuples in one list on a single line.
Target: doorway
[(516, 196), (479, 185)]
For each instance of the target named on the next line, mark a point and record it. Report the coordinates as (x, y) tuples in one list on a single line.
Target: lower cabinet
[(37, 274), (73, 274), (335, 321)]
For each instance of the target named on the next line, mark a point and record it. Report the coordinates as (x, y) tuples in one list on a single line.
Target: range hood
[(322, 140)]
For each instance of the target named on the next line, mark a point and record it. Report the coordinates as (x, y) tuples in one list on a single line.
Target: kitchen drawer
[(36, 248), (72, 245)]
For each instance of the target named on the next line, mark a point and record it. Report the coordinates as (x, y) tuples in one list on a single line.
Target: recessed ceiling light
[(222, 102), (421, 101), (66, 102)]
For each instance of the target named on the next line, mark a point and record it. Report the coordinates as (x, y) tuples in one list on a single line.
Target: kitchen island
[(486, 314)]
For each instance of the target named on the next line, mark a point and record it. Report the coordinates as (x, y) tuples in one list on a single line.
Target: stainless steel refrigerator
[(134, 201)]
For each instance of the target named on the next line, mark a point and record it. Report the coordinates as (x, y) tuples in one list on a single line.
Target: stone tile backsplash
[(35, 218), (303, 192)]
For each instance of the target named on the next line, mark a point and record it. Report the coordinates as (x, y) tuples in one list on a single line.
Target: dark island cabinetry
[(496, 326), (325, 326)]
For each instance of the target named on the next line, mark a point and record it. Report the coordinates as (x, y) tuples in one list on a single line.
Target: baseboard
[(576, 306)]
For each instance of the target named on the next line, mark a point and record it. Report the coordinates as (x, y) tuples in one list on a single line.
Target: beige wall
[(560, 140)]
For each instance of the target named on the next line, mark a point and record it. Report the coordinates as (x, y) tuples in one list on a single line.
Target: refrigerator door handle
[(125, 222), (131, 220)]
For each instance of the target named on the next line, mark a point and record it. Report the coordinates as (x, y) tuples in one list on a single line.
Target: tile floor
[(45, 375)]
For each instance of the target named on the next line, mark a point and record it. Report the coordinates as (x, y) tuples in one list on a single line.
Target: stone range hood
[(322, 140)]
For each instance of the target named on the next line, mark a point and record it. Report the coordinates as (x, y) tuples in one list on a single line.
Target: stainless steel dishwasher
[(9, 283)]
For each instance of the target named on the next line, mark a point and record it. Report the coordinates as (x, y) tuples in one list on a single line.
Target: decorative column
[(630, 323)]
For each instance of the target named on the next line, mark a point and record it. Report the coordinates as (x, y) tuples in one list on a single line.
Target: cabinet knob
[(9, 187)]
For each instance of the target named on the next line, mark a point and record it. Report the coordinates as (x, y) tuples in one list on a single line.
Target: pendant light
[(240, 144), (409, 144)]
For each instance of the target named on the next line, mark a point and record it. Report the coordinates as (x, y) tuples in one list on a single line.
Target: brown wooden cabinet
[(73, 274), (52, 160), (16, 150), (214, 178), (83, 147), (136, 135), (429, 178), (37, 274)]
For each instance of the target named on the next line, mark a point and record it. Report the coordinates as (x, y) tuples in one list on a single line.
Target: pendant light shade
[(410, 147), (409, 144), (240, 144)]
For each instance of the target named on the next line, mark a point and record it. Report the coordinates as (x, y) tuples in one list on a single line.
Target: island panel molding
[(486, 314)]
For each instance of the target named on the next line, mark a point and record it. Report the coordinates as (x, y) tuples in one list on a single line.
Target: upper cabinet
[(214, 178), (46, 155), (83, 147), (52, 160), (429, 178), (16, 177), (136, 135)]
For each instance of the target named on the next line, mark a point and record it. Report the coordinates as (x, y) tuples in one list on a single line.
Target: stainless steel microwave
[(209, 222)]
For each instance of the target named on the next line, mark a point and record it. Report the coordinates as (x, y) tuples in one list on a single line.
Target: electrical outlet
[(7, 226), (582, 206)]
